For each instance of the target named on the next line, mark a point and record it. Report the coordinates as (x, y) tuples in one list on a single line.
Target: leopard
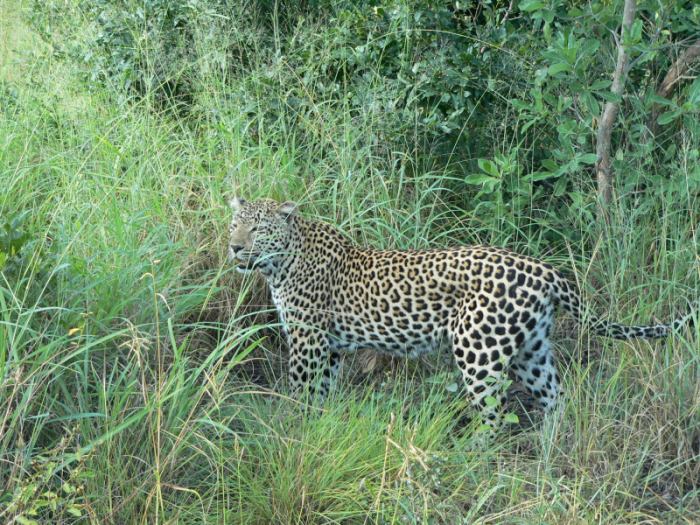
[(493, 307)]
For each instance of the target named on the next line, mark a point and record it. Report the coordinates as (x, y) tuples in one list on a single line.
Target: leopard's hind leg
[(534, 366), (483, 349)]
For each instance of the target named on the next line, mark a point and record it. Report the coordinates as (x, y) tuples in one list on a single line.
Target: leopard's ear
[(236, 203), (287, 209)]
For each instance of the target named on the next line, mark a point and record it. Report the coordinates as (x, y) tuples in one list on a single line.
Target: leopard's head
[(260, 233)]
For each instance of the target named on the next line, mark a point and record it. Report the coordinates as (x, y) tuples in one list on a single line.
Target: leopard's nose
[(232, 250)]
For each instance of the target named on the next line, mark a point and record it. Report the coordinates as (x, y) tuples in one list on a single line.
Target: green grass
[(141, 381)]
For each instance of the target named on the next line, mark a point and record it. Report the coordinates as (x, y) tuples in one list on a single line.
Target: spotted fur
[(495, 308)]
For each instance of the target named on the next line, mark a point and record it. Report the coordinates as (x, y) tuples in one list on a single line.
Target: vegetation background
[(141, 380)]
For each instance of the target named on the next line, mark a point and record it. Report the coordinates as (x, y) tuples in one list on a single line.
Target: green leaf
[(531, 5), (590, 47), (541, 175), (558, 68), (488, 167), (491, 401), (590, 102), (74, 511), (560, 186), (588, 158), (635, 33), (668, 117), (511, 418), (477, 179), (551, 165), (694, 175), (529, 124), (661, 100), (601, 84), (520, 104), (610, 96), (694, 92)]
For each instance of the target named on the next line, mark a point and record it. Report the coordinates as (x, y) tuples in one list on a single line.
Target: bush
[(502, 97)]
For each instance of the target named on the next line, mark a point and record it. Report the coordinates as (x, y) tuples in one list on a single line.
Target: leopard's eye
[(253, 229)]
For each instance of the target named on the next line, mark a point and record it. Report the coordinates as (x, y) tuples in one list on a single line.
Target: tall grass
[(141, 382)]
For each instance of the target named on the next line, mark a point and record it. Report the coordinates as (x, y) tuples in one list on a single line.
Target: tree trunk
[(607, 119)]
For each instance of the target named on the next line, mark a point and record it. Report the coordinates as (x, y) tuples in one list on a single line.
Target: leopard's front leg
[(312, 365)]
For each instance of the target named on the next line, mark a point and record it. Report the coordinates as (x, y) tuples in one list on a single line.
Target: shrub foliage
[(441, 82)]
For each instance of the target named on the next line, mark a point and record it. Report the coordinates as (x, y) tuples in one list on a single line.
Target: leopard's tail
[(569, 298)]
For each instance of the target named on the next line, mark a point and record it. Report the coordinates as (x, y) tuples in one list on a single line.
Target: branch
[(674, 75), (607, 119)]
